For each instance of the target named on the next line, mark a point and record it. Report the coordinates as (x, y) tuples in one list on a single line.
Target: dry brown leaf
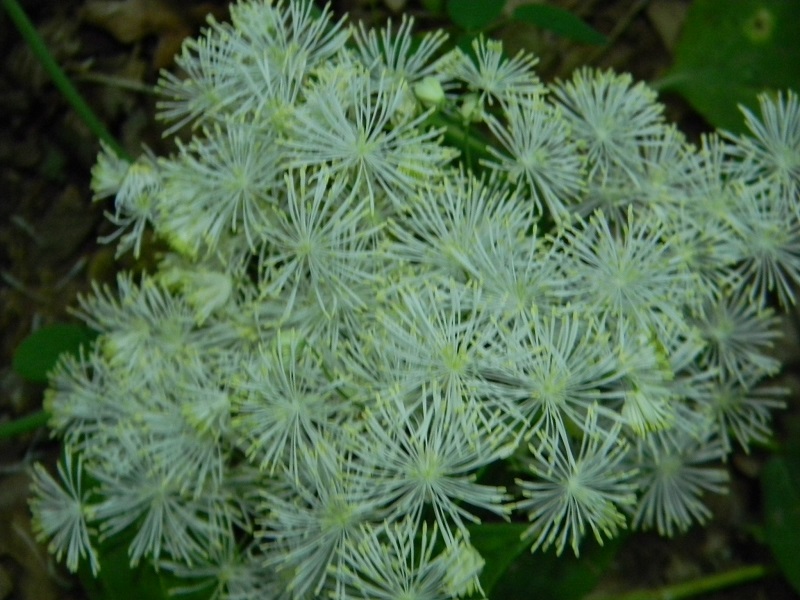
[(667, 17), (132, 20)]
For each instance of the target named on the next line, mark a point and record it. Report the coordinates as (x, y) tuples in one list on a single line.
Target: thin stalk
[(60, 79), (696, 587), (459, 136), (23, 425)]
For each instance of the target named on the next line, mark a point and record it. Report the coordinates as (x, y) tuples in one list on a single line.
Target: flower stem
[(695, 587), (23, 424), (58, 76), (461, 137)]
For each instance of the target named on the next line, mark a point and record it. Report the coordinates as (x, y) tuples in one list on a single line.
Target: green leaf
[(38, 352), (499, 544), (474, 15), (117, 580), (729, 52), (434, 7), (512, 572), (782, 514), (559, 21)]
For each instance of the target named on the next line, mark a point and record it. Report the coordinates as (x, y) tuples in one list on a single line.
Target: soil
[(49, 227)]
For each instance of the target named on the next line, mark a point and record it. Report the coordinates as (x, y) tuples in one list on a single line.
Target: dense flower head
[(358, 320)]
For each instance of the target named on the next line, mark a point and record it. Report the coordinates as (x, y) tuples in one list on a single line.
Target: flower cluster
[(354, 316)]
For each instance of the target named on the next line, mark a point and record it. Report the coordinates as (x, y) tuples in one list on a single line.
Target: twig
[(59, 78)]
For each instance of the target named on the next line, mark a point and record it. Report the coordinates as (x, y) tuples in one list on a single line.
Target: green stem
[(59, 78), (23, 425), (695, 587), (459, 136)]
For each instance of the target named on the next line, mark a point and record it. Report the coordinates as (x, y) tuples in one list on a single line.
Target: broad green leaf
[(512, 572), (473, 15), (559, 21), (434, 7), (729, 52), (117, 580), (499, 544), (38, 352), (782, 515)]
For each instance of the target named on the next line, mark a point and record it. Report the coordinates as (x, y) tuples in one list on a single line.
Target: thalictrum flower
[(61, 513), (626, 271), (225, 181), (742, 412), (393, 560), (307, 523), (452, 225), (739, 334), (539, 156), (677, 468), (212, 87), (364, 133), (563, 366), (138, 487), (767, 242), (426, 453), (573, 494), (393, 53), (773, 143), (492, 75), (285, 403), (611, 117)]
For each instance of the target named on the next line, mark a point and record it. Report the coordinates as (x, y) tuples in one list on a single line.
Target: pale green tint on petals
[(573, 495), (61, 513), (276, 90), (773, 144), (229, 573), (677, 469), (291, 30), (320, 244), (712, 185), (391, 561), (443, 337), (706, 245), (284, 403), (564, 366), (108, 173), (184, 419), (611, 117), (388, 52), (207, 290), (740, 333), (135, 204), (742, 413), (364, 133), (628, 275), (463, 567), (81, 401), (143, 326), (666, 168), (649, 402), (212, 87), (222, 182), (329, 326), (767, 241), (518, 274), (306, 525), (541, 156), (491, 74), (136, 488), (427, 454), (451, 227)]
